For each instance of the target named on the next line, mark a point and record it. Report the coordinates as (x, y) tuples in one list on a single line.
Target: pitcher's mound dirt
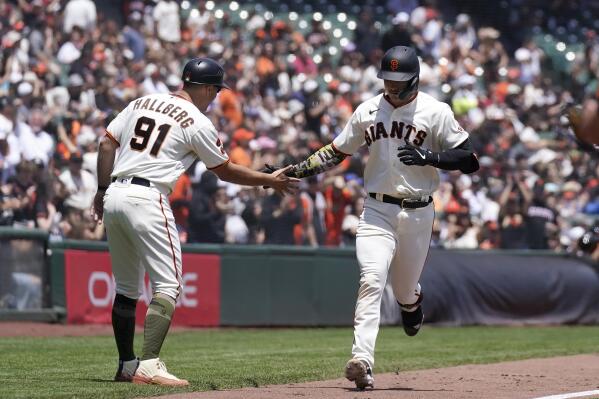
[(510, 380)]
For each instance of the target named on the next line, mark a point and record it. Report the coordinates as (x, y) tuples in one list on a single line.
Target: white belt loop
[(379, 197)]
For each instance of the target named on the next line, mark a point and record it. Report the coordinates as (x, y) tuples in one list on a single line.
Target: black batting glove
[(410, 155), (269, 168)]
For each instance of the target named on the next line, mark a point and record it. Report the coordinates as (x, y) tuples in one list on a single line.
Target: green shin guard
[(157, 323)]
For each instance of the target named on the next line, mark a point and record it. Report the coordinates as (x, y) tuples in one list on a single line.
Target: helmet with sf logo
[(400, 63)]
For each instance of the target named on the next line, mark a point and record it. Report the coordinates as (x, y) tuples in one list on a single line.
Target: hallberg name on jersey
[(172, 110), (398, 129)]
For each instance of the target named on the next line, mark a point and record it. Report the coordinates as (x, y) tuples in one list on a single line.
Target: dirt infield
[(522, 379)]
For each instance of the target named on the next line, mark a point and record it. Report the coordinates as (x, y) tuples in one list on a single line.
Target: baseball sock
[(123, 325), (158, 321)]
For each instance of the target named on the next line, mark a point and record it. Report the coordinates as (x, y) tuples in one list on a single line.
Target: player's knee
[(130, 291), (371, 282), (166, 296)]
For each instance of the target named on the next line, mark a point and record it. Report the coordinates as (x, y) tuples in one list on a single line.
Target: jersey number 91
[(143, 131)]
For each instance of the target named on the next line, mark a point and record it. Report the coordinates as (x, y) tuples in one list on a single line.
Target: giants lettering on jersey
[(173, 111), (398, 130)]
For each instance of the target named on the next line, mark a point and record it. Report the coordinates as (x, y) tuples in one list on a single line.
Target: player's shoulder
[(426, 98), (426, 101)]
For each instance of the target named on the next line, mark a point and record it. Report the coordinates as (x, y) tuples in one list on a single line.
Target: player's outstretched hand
[(410, 155), (97, 209), (283, 184)]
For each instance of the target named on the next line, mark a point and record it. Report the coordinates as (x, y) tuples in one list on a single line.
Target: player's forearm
[(460, 158), (323, 159), (456, 159), (106, 155), (238, 174)]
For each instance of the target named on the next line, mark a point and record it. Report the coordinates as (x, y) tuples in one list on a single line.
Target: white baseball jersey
[(160, 135), (425, 122)]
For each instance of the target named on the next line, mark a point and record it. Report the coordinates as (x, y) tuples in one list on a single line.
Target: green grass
[(83, 367)]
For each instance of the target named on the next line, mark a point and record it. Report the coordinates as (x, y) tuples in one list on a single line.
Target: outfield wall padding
[(481, 288), (284, 286), (299, 286)]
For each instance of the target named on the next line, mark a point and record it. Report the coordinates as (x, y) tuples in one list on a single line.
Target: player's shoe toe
[(360, 373), (412, 321), (153, 371)]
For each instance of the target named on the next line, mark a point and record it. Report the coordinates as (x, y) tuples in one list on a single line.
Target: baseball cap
[(310, 86), (173, 80), (24, 89), (400, 17)]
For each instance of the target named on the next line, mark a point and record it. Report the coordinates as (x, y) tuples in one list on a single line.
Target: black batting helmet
[(400, 63), (204, 71)]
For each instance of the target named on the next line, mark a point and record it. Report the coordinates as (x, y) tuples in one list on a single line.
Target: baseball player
[(409, 136), (158, 137)]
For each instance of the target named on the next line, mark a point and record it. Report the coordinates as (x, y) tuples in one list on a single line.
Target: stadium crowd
[(67, 67)]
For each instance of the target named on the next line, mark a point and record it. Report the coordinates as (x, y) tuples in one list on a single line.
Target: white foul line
[(571, 395)]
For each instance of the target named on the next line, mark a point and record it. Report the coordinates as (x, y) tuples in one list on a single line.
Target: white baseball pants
[(142, 237), (389, 240)]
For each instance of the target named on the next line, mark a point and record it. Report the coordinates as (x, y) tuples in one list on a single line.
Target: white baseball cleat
[(153, 371), (358, 371)]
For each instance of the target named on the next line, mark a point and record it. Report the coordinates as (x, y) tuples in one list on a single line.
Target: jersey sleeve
[(449, 133), (204, 142), (116, 127), (351, 137)]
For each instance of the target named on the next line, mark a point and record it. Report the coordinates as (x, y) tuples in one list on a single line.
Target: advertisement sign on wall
[(90, 289)]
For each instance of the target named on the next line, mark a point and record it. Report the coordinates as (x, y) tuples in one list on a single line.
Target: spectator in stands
[(168, 22), (366, 35), (337, 198), (251, 217), (78, 225), (61, 69), (79, 183), (18, 202), (540, 218), (278, 218), (399, 34), (512, 217), (153, 82), (207, 211), (10, 149), (134, 39), (241, 153), (36, 145), (81, 13), (462, 233)]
